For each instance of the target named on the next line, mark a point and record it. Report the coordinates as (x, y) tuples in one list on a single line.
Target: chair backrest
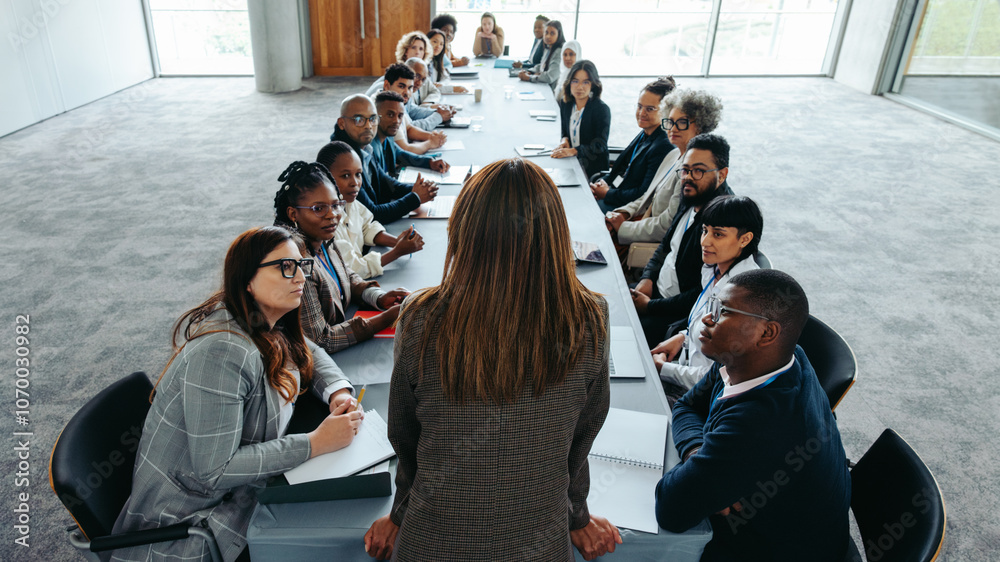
[(897, 503), (762, 261), (93, 458), (831, 357)]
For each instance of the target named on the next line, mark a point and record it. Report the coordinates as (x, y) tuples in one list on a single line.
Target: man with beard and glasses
[(672, 278)]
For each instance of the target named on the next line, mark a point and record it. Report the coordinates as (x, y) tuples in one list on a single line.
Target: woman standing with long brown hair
[(500, 386)]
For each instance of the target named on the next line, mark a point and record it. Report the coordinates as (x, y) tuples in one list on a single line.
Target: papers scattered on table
[(454, 176), (626, 463), (530, 96), (625, 360), (370, 446), (530, 150), (451, 144), (543, 113), (439, 208)]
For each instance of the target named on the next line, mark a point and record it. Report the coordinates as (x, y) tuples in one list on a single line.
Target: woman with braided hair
[(218, 424), (309, 201)]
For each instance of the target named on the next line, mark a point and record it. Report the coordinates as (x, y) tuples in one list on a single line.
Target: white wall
[(56, 55), (870, 27)]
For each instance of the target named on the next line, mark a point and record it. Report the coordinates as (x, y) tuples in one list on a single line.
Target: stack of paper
[(370, 447), (454, 176), (626, 463)]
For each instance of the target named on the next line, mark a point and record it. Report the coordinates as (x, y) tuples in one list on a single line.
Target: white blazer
[(662, 198)]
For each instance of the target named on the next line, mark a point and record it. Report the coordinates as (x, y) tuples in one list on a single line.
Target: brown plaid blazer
[(487, 482), (324, 304)]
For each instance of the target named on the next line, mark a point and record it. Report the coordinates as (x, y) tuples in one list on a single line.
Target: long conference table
[(326, 530)]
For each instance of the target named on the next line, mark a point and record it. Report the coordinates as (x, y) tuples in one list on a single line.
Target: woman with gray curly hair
[(686, 113)]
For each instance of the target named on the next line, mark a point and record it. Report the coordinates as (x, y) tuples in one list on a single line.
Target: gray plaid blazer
[(209, 441), (486, 482)]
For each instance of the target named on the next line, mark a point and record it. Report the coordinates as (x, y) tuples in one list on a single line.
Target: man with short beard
[(672, 278)]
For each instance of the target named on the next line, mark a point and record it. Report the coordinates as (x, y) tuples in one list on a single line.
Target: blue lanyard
[(697, 304), (328, 265)]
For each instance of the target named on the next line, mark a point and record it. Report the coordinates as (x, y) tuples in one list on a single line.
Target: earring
[(296, 225)]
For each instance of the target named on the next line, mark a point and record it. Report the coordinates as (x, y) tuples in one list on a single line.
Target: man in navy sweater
[(385, 197), (762, 456)]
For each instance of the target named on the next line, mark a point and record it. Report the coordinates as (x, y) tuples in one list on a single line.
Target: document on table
[(626, 463), (454, 176), (625, 360), (543, 113), (530, 96), (452, 145), (369, 447), (439, 208), (527, 151)]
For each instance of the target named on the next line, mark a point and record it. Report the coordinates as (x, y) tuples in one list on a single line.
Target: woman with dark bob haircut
[(220, 411), (586, 119), (505, 360), (729, 239)]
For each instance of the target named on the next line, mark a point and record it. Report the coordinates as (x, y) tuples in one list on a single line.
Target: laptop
[(587, 252)]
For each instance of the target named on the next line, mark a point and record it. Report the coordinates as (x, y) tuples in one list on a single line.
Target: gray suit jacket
[(487, 482), (209, 441)]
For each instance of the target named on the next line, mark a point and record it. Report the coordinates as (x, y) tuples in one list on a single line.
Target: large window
[(950, 62), (202, 36), (684, 37)]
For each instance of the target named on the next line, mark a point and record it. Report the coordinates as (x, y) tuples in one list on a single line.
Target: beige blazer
[(660, 203)]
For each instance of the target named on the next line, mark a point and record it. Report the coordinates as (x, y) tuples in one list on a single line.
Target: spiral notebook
[(626, 463)]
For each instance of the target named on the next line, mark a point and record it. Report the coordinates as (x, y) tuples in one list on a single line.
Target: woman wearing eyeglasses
[(586, 119), (217, 425), (731, 231), (310, 202), (688, 113)]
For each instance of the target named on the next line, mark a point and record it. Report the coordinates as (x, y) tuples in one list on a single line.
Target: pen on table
[(361, 396), (413, 232)]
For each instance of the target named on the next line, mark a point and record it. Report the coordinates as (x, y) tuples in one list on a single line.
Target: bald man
[(386, 198)]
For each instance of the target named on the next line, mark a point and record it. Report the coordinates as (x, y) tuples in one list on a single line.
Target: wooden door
[(337, 44), (397, 18)]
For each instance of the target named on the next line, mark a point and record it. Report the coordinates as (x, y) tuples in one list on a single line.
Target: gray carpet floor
[(115, 218)]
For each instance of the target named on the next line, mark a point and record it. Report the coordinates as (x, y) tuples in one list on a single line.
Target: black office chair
[(897, 503), (762, 260), (91, 470), (831, 357)]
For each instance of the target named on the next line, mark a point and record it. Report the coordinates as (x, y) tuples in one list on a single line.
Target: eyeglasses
[(716, 309), (695, 173), (323, 208), (575, 82), (359, 120), (681, 124), (289, 266)]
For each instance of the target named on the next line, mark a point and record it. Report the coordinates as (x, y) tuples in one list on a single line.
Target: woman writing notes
[(499, 388), (216, 427), (489, 37), (547, 71), (586, 120), (308, 201)]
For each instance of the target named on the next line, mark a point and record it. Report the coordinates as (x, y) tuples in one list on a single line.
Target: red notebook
[(389, 332)]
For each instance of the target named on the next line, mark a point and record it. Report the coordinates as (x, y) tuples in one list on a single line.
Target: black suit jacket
[(539, 48), (595, 126), (644, 165), (387, 198), (688, 266)]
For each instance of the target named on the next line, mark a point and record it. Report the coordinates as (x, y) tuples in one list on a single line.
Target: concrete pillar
[(277, 50)]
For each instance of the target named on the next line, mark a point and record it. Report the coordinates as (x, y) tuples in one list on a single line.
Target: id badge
[(617, 181)]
